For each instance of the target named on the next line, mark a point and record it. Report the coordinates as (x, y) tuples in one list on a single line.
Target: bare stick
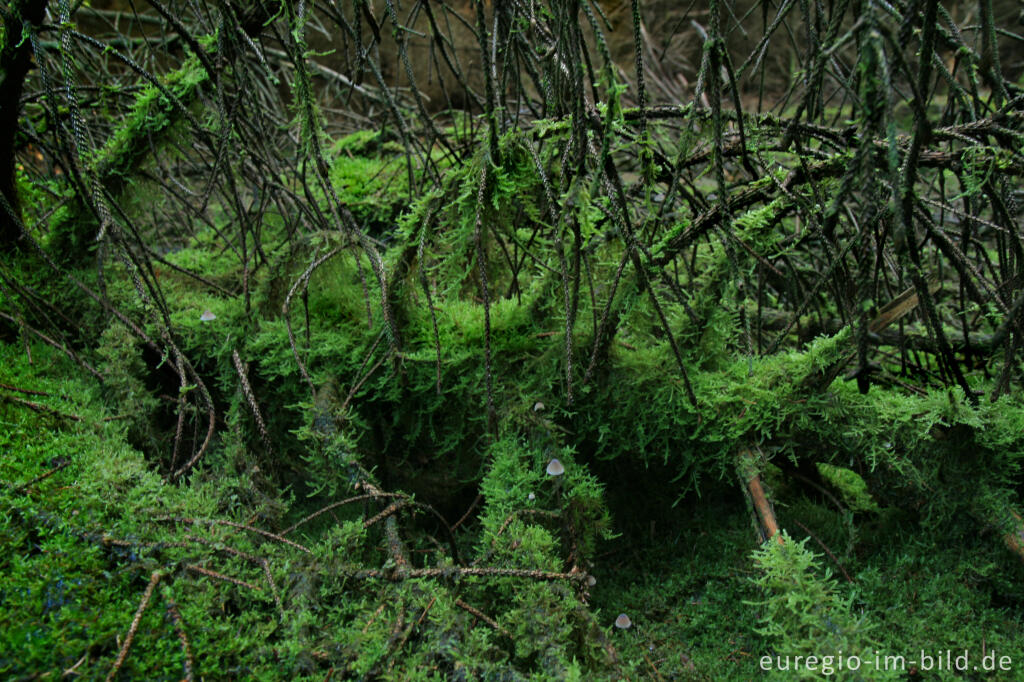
[(333, 505), (764, 508), (751, 479)]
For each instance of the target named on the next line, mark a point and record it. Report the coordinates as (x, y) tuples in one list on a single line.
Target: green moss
[(852, 487), (155, 116), (805, 616), (418, 516)]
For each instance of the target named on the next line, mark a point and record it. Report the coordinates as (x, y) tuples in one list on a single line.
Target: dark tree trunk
[(15, 61)]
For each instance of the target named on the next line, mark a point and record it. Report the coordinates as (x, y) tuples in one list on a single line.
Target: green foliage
[(74, 594), (804, 616), (369, 174), (386, 419)]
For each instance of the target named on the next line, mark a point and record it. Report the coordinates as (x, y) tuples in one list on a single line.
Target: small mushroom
[(591, 581), (207, 316), (538, 406), (531, 497), (623, 622), (555, 468)]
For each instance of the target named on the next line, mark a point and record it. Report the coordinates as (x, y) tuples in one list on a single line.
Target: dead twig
[(752, 481), (153, 580), (392, 508), (827, 551), (26, 391), (220, 576), (232, 524), (41, 477), (250, 397), (333, 506), (179, 627), (261, 561), (483, 616), (37, 407)]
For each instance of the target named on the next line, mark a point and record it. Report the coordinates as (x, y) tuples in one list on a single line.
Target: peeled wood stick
[(901, 306), (752, 480), (764, 509)]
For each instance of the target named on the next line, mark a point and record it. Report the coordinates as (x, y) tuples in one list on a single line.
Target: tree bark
[(15, 61)]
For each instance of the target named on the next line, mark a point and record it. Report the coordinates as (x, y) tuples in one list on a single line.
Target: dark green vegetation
[(287, 348)]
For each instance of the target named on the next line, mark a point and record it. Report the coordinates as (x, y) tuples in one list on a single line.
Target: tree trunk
[(15, 61)]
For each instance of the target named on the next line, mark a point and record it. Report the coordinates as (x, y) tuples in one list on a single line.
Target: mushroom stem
[(556, 469)]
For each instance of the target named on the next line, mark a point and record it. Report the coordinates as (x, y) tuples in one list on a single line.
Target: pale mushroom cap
[(555, 468), (207, 316), (538, 406), (591, 581), (531, 497), (623, 621)]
